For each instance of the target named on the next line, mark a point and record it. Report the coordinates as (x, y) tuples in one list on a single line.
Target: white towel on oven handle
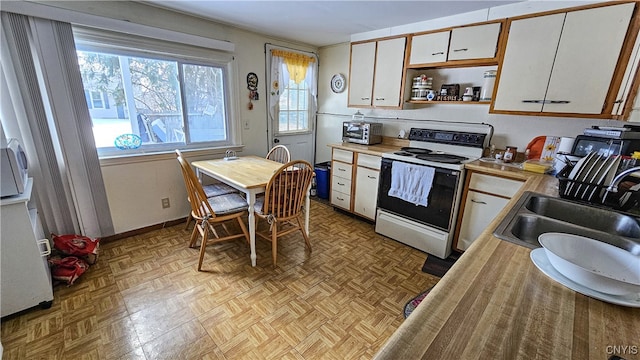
[(411, 183)]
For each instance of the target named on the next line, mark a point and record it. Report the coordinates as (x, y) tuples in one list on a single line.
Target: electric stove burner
[(415, 150), (442, 158)]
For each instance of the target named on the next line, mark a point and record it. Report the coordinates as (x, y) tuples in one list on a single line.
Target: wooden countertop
[(495, 304), (388, 145)]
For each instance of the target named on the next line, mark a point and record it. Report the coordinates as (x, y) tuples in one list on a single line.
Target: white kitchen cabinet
[(366, 187), (25, 278), (474, 42), (484, 198), (363, 57), (562, 63), (388, 72), (429, 48), (341, 175), (375, 70)]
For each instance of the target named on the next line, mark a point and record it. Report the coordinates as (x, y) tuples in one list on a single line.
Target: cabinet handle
[(339, 169), (463, 49), (339, 198), (619, 101), (546, 101), (478, 202), (366, 98), (379, 99), (341, 184), (371, 177), (47, 246), (437, 53)]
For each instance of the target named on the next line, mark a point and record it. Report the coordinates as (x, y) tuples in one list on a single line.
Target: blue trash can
[(323, 174)]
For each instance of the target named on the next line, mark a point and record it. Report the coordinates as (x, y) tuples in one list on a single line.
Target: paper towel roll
[(566, 144)]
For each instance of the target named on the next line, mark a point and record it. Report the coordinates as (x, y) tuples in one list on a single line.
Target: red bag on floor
[(67, 269), (77, 245)]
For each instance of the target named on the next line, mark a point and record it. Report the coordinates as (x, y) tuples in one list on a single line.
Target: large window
[(146, 102)]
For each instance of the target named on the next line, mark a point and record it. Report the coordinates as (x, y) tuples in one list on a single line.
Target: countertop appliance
[(606, 146), (13, 171), (364, 133), (440, 151)]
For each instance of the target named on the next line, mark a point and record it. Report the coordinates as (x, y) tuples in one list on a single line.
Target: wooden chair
[(210, 190), (282, 203), (279, 153), (208, 212)]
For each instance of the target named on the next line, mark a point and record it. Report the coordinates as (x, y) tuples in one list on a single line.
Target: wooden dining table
[(250, 175)]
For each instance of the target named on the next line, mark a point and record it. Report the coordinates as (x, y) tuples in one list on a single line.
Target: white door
[(474, 42), (527, 64), (294, 125), (388, 74), (363, 58), (576, 86)]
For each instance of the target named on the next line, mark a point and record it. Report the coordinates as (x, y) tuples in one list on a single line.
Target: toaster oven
[(585, 144), (362, 132)]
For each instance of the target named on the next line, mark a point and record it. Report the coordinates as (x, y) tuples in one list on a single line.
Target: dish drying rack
[(591, 193)]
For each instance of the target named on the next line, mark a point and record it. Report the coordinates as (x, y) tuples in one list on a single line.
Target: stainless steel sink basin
[(535, 214)]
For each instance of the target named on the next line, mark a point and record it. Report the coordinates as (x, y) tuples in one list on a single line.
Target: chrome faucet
[(613, 187)]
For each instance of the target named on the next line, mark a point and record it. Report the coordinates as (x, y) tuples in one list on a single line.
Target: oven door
[(442, 198)]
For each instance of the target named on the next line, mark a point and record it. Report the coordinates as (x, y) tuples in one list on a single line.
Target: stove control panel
[(447, 137)]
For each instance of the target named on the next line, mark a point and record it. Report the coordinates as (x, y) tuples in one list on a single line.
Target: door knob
[(275, 141)]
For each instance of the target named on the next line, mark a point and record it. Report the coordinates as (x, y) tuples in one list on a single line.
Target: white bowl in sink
[(592, 263)]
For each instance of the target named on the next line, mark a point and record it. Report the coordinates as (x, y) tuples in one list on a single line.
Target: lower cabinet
[(366, 192), (354, 182), (484, 197)]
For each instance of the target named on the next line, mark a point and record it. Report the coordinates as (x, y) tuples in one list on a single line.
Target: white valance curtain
[(55, 124), (288, 65)]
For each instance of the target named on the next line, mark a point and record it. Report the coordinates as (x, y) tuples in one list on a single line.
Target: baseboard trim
[(143, 230)]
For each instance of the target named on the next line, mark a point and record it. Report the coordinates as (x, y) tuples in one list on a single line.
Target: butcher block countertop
[(495, 304)]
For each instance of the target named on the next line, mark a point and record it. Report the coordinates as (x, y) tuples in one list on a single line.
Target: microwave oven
[(13, 171), (584, 144), (362, 132)]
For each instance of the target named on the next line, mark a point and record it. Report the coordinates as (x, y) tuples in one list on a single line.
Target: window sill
[(166, 155)]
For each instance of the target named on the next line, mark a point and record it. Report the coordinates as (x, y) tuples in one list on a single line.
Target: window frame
[(100, 41)]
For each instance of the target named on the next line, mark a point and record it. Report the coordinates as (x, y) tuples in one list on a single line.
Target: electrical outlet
[(246, 124), (165, 203)]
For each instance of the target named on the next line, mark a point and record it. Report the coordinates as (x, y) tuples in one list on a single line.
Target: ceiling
[(321, 23)]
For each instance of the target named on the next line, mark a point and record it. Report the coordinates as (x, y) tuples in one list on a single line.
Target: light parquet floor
[(144, 298)]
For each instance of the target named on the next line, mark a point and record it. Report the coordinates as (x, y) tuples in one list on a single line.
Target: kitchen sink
[(535, 214)]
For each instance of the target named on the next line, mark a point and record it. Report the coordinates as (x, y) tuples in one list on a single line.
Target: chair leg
[(274, 242), (194, 233), (203, 246), (304, 233), (186, 227)]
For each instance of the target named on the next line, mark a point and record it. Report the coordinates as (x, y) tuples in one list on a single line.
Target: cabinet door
[(388, 74), (527, 63), (474, 42), (366, 192), (479, 210), (429, 48), (586, 59), (361, 73)]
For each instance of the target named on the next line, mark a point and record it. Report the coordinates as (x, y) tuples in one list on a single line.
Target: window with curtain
[(292, 90), (166, 99)]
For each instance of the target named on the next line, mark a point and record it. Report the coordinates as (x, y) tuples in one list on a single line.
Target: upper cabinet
[(460, 46), (564, 63), (376, 70)]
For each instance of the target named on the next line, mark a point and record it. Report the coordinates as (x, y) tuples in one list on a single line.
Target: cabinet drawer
[(341, 170), (341, 184), (343, 155), (494, 185), (369, 161), (340, 199)]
